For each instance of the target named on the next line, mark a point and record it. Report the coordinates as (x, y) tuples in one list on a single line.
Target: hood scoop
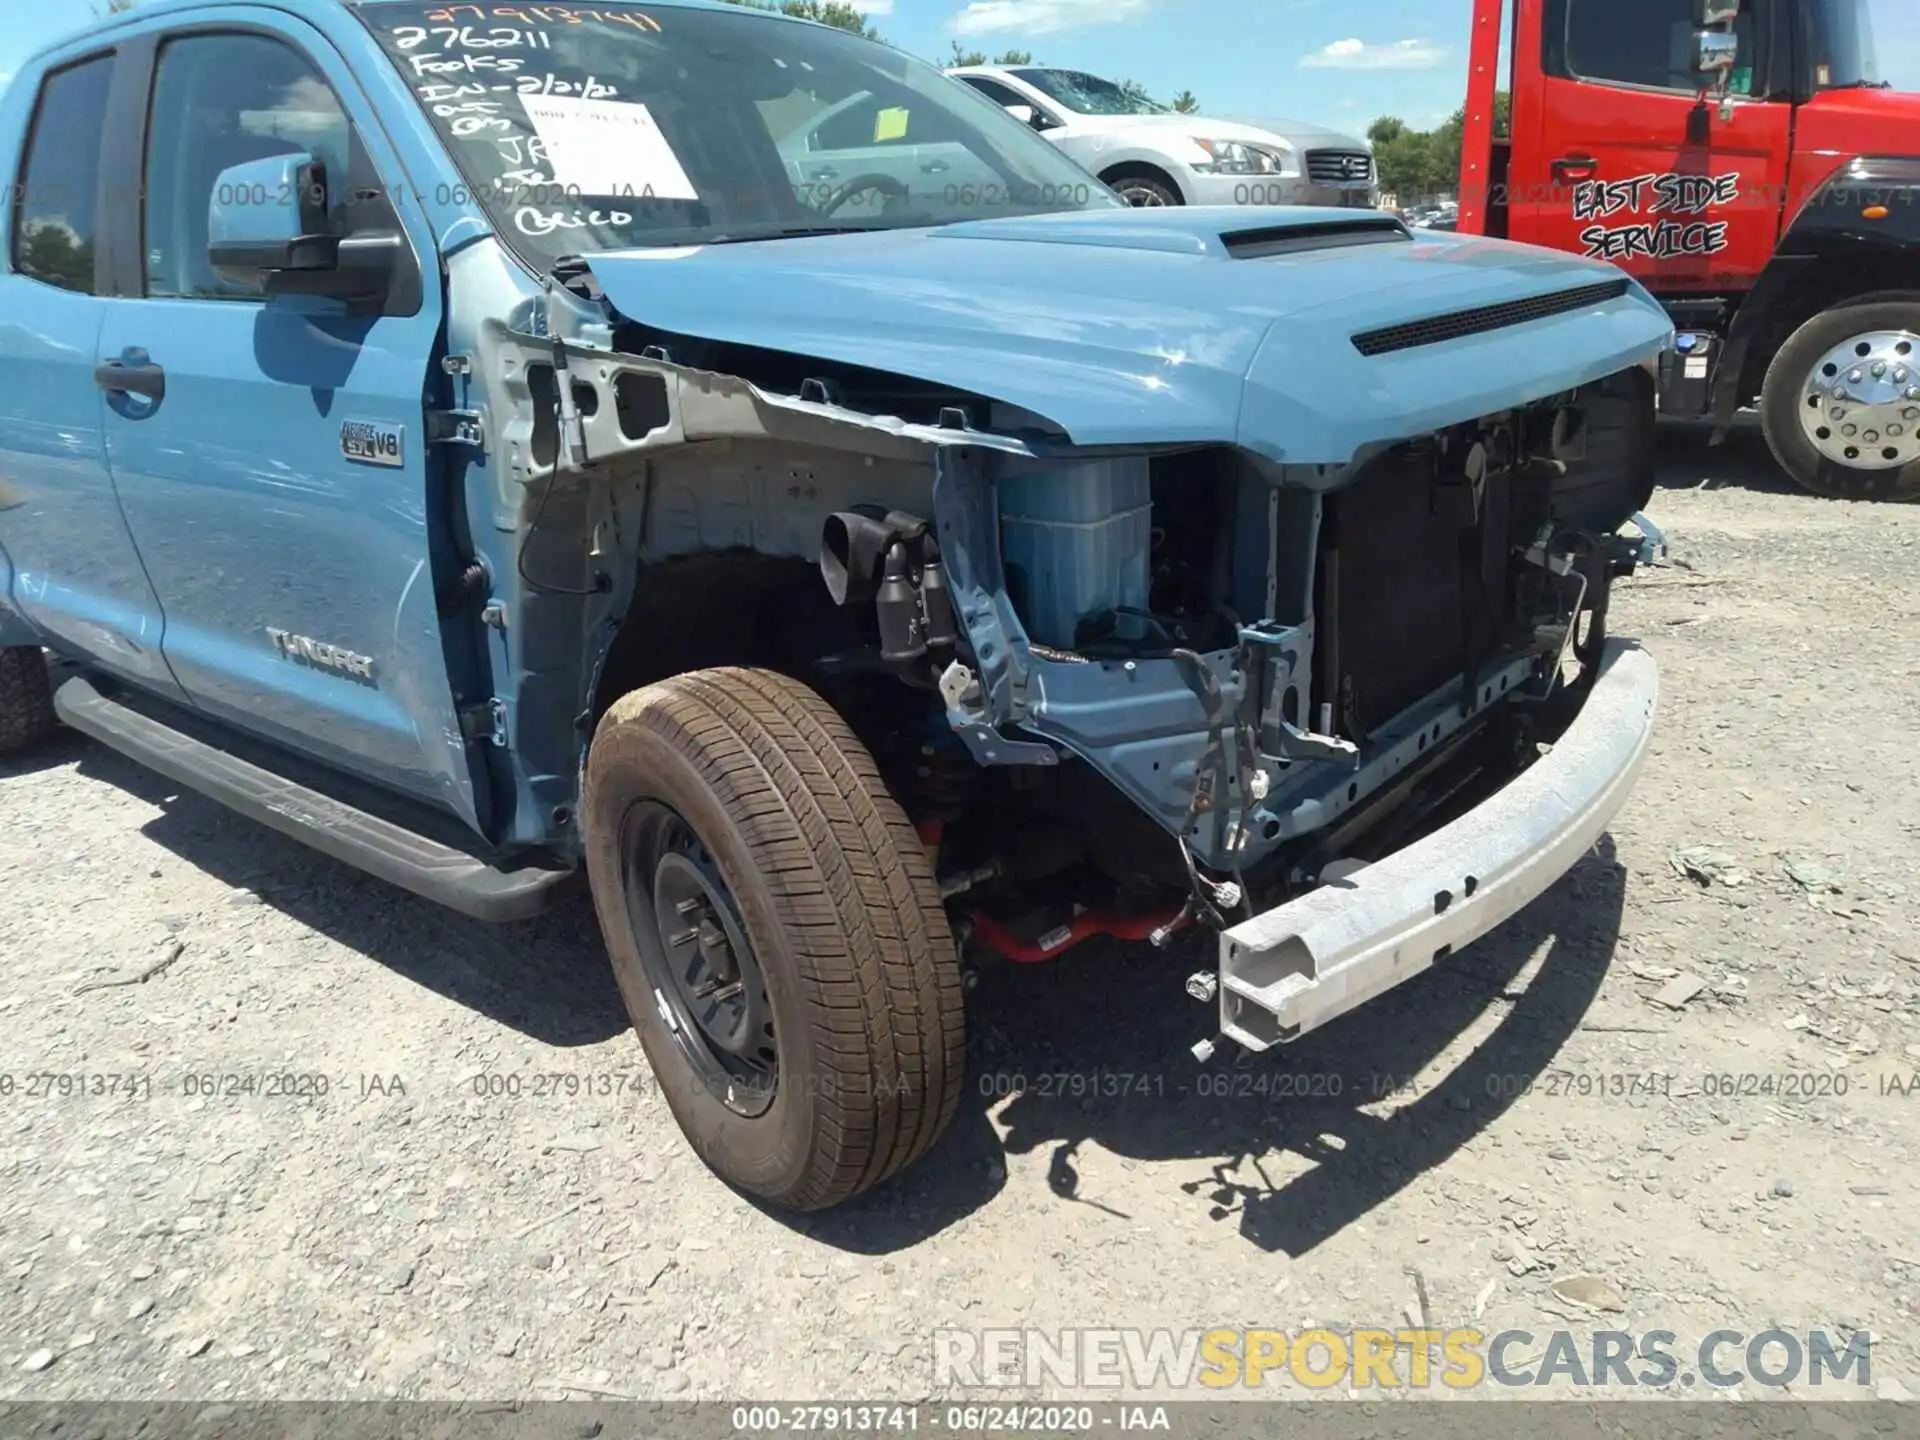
[(1271, 240), (1191, 230), (1438, 329)]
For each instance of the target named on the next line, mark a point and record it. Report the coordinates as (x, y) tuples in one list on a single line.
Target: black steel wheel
[(706, 981)]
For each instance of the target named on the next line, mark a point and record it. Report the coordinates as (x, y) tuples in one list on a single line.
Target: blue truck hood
[(1142, 327)]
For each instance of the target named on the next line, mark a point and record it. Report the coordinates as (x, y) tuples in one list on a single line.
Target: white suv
[(1153, 156)]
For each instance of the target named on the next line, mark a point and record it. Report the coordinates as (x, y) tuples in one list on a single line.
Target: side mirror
[(267, 225), (1716, 54), (269, 215), (1025, 114)]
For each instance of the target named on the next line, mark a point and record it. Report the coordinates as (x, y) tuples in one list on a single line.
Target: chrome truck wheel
[(1842, 402), (1862, 405)]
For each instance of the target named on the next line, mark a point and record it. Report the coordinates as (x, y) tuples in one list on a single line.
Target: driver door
[(1620, 159), (291, 557)]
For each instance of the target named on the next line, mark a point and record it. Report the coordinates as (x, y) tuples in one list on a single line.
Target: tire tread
[(857, 899), (26, 698)]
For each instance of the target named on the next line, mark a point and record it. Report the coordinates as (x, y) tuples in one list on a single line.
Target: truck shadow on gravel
[(1688, 461), (1095, 1050), (1092, 1049), (547, 978), (67, 747)]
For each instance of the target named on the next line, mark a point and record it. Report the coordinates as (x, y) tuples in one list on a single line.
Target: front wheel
[(26, 698), (777, 934), (1841, 403), (1139, 186)]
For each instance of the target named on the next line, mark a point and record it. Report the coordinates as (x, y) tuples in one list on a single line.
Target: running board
[(389, 851)]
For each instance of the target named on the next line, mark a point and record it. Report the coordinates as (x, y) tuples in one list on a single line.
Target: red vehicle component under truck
[(1745, 162)]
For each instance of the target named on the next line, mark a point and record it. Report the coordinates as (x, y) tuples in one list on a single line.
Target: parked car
[(1152, 156), (471, 451)]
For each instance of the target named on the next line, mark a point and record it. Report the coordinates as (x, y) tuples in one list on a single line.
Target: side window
[(223, 100), (53, 234), (862, 124), (1643, 43), (994, 90)]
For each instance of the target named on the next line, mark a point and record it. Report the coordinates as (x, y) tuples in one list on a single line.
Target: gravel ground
[(489, 1200)]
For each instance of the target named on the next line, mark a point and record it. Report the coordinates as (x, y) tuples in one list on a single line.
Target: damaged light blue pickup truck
[(726, 459)]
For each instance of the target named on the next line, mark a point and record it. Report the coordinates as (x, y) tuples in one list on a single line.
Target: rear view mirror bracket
[(1716, 51)]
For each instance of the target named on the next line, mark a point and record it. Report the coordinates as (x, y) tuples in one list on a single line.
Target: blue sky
[(1334, 61)]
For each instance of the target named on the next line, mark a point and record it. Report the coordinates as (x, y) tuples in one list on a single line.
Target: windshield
[(1090, 95), (583, 130), (1843, 51)]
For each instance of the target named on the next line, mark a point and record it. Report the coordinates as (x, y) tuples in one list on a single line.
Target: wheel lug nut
[(1838, 413), (1854, 377), (1879, 368), (684, 939), (689, 907), (1896, 431), (1900, 376), (1851, 430)]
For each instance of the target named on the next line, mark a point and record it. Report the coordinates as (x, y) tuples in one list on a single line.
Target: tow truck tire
[(1788, 388), (26, 698), (777, 933)]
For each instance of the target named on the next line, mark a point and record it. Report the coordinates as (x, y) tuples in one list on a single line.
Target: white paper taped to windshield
[(607, 148)]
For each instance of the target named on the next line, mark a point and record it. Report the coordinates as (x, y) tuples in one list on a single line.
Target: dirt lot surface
[(488, 1199)]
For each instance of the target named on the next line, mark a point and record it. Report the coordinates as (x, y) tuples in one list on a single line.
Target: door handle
[(1575, 168), (824, 172), (935, 167), (123, 377)]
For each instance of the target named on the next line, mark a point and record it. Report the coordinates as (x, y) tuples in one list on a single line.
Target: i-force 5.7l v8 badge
[(373, 442)]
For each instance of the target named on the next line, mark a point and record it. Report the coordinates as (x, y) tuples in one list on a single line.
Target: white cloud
[(873, 7), (1041, 17), (1358, 55)]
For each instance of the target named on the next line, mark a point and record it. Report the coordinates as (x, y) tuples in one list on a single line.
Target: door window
[(1646, 44), (1002, 95), (53, 231), (861, 124), (223, 100)]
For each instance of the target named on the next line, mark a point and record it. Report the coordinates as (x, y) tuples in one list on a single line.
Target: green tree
[(837, 13), (1185, 104), (1386, 129), (1414, 164), (979, 57), (52, 252)]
